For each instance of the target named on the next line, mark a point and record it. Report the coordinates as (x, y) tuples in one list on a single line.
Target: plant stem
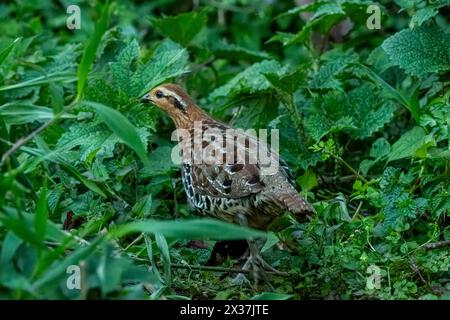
[(215, 269), (349, 167)]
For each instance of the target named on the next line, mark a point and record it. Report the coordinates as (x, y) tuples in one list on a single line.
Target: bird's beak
[(146, 98)]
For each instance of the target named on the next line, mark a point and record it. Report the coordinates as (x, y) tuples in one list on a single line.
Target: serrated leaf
[(183, 27), (123, 69), (420, 50), (169, 60), (250, 80)]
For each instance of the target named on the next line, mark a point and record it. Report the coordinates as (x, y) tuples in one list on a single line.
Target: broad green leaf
[(121, 127), (232, 52), (423, 15), (135, 79), (189, 229), (360, 112), (124, 68), (393, 93), (408, 143), (183, 27), (250, 80), (91, 48), (308, 180), (160, 163), (170, 60), (420, 50)]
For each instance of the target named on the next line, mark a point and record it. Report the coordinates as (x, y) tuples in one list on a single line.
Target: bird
[(236, 188)]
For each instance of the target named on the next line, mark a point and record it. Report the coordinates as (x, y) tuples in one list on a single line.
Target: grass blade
[(5, 52), (121, 127), (40, 220), (189, 229), (91, 49)]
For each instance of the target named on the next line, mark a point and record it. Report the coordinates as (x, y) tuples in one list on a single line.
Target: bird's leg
[(254, 262)]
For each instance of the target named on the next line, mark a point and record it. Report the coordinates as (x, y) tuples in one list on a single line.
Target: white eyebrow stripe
[(176, 96)]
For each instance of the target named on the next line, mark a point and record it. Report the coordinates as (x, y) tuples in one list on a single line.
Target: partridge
[(231, 182)]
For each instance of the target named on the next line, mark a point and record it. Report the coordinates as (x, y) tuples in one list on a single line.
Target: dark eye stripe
[(179, 105)]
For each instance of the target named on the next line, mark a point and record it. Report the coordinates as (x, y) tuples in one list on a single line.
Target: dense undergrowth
[(363, 116)]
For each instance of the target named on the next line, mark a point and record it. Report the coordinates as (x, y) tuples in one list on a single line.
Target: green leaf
[(54, 273), (122, 128), (183, 27), (170, 60), (163, 247), (5, 52), (250, 80), (272, 296), (423, 15), (53, 156), (40, 221), (410, 104), (380, 150), (59, 76), (159, 163), (408, 143), (14, 113), (232, 52), (420, 50), (123, 69), (308, 180), (91, 48), (189, 229)]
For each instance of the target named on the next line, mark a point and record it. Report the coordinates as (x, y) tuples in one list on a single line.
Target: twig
[(357, 210), (134, 242), (416, 269), (216, 269), (349, 167), (438, 244)]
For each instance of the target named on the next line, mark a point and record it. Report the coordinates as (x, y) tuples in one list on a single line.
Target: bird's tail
[(296, 204)]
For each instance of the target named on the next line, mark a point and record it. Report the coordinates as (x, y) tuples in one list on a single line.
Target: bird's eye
[(159, 94)]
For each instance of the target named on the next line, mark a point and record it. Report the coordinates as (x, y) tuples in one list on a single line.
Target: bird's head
[(172, 99)]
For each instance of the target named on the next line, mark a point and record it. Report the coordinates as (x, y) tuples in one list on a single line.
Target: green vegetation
[(364, 124)]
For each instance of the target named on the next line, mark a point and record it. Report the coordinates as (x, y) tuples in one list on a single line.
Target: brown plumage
[(232, 191)]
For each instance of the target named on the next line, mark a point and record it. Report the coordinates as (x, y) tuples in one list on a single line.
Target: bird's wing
[(237, 175), (226, 182)]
